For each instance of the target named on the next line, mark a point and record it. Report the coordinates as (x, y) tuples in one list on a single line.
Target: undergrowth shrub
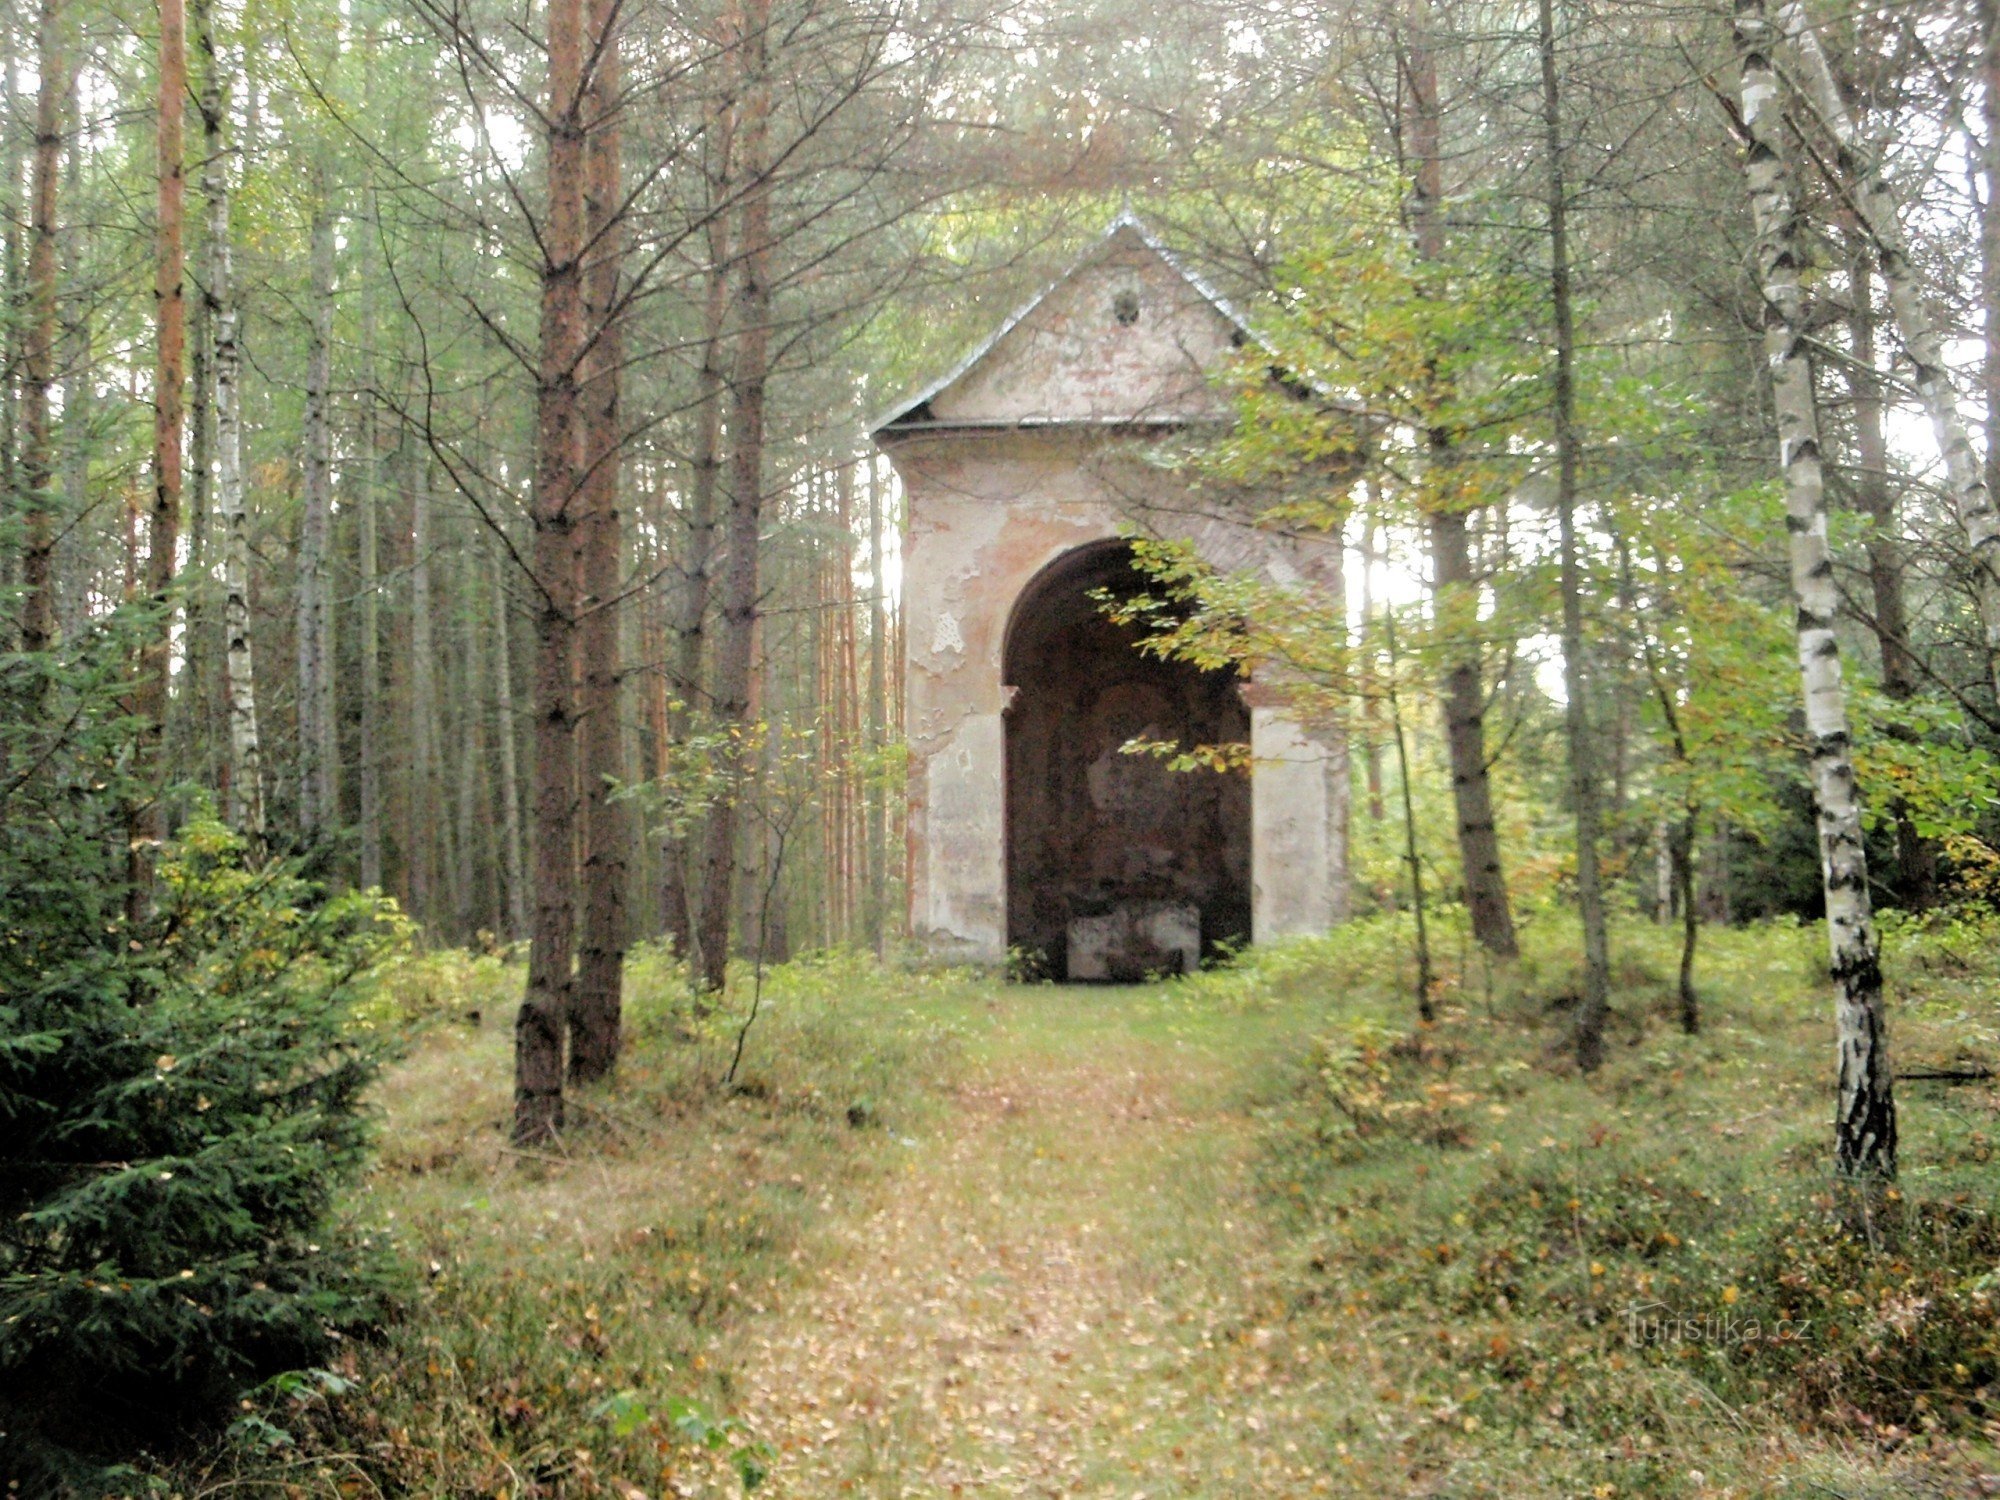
[(1582, 1259), (179, 1102)]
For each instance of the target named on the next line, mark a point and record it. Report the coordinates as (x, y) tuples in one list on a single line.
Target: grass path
[(1060, 1290)]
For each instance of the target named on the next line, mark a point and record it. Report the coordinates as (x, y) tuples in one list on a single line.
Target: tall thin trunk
[(315, 614), (1683, 861), (1453, 579), (510, 773), (368, 547), (1989, 233), (13, 165), (539, 1026), (1916, 856), (73, 566), (878, 714), (595, 1009), (704, 482), (733, 655), (420, 840), (1584, 789), (1679, 844), (468, 780), (149, 698), (1411, 858), (246, 756), (1371, 709), (38, 610), (1874, 201), (1865, 1112)]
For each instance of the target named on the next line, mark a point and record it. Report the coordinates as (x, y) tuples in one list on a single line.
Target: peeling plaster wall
[(987, 513), (1073, 360)]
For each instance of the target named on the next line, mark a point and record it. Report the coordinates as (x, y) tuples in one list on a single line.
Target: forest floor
[(1067, 1288), (1244, 1234)]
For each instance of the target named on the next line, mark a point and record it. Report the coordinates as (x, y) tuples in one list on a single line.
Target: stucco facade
[(1036, 448)]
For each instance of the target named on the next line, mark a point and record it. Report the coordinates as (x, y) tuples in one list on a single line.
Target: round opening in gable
[(1125, 307)]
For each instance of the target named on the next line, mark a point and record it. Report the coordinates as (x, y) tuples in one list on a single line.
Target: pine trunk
[(420, 840), (1865, 1113), (38, 604), (704, 483), (510, 773), (314, 609), (595, 1010), (149, 698), (736, 645), (543, 1017)]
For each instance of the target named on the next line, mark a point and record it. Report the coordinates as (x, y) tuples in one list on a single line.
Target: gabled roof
[(916, 414)]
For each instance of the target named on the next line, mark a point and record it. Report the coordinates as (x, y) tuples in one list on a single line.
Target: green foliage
[(1599, 1268), (180, 1094), (570, 1334)]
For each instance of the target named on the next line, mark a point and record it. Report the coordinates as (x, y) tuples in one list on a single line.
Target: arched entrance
[(1117, 866)]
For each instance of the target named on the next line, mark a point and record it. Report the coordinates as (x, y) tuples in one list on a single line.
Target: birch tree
[(1862, 181), (225, 370), (1865, 1111)]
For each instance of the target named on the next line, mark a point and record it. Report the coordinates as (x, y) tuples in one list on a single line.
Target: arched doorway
[(1117, 866)]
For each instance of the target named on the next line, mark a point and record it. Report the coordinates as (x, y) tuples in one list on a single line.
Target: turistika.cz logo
[(1656, 1323)]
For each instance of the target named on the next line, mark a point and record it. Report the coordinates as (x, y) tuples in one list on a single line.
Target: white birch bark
[(1874, 203), (1865, 1120), (246, 754)]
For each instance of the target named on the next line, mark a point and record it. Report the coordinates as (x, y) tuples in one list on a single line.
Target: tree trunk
[(1371, 708), (1465, 738), (1989, 235), (368, 749), (1916, 856), (38, 605), (595, 1010), (690, 630), (1455, 589), (472, 756), (539, 1026), (734, 649), (149, 698), (1874, 204), (1865, 1115), (1411, 857), (510, 774), (1683, 862), (314, 609), (1595, 1000), (12, 166), (72, 566), (420, 841), (246, 756), (878, 721)]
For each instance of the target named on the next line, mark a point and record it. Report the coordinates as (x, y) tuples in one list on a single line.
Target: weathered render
[(1025, 471)]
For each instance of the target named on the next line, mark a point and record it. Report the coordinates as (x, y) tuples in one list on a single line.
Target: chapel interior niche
[(1118, 866)]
